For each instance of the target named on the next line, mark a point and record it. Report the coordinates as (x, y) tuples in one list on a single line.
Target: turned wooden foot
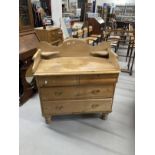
[(48, 119), (104, 116)]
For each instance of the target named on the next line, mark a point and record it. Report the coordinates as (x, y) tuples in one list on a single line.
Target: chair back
[(80, 33)]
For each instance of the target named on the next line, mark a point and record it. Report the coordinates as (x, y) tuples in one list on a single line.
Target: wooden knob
[(95, 91), (58, 93), (59, 107), (94, 105), (46, 82)]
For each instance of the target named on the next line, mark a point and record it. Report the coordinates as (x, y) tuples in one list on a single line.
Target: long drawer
[(77, 92), (48, 81), (70, 80), (77, 106)]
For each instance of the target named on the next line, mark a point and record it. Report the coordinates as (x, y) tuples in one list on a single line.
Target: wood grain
[(48, 81), (76, 81), (77, 106), (77, 92)]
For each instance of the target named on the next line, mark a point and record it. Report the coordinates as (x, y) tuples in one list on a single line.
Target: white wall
[(117, 2), (56, 9), (34, 0)]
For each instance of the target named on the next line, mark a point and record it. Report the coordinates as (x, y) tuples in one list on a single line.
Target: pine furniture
[(76, 78)]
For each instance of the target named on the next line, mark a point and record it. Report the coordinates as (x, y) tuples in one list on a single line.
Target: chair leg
[(132, 63), (117, 47), (128, 52), (93, 43), (130, 58)]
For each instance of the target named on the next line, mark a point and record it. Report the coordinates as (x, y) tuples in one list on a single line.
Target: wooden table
[(75, 78)]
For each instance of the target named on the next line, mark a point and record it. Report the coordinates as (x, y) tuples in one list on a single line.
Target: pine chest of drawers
[(72, 84)]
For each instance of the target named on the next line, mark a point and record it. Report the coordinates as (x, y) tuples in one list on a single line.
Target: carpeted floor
[(81, 134)]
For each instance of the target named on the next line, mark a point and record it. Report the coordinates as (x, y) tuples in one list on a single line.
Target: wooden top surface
[(74, 56), (75, 65), (28, 42), (48, 28)]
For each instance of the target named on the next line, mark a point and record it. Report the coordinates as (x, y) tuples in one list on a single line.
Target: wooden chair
[(89, 40), (75, 34), (114, 39), (82, 34), (130, 56), (85, 32), (130, 46)]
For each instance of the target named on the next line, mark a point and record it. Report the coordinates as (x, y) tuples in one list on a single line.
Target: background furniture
[(51, 34), (78, 80), (125, 15), (25, 16), (97, 24), (27, 47), (46, 5), (125, 12), (130, 56)]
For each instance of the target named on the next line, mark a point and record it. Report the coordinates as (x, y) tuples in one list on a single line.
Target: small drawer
[(52, 36), (98, 79), (58, 93), (48, 81), (96, 91), (77, 106), (53, 33), (76, 92)]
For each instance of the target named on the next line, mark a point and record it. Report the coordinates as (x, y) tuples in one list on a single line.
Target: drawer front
[(53, 35), (57, 81), (77, 106), (96, 91), (77, 92), (98, 79), (42, 35), (58, 93)]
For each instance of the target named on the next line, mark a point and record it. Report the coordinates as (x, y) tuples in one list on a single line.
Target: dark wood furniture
[(28, 42), (130, 57), (25, 16), (97, 24), (27, 47), (76, 78)]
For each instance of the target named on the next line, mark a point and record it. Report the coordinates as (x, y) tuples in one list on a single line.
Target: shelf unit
[(125, 12)]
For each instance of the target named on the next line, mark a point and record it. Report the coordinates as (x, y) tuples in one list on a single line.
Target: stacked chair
[(113, 37), (130, 56), (86, 35)]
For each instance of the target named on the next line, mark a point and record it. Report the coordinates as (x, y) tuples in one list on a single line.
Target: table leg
[(104, 116), (48, 119)]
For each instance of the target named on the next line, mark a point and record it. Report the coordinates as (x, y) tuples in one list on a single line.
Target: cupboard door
[(25, 15)]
